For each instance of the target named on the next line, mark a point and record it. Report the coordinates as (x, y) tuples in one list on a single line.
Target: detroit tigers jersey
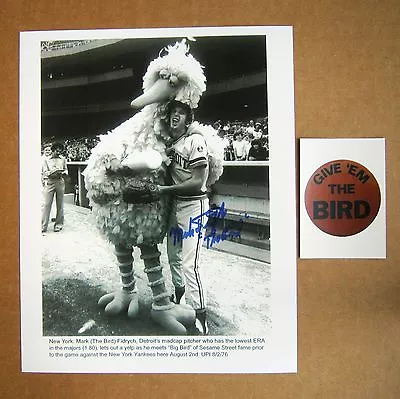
[(189, 152)]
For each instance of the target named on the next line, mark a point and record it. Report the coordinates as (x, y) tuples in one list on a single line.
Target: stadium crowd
[(242, 141), (75, 149)]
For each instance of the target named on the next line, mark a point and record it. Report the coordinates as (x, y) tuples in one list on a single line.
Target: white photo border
[(280, 353)]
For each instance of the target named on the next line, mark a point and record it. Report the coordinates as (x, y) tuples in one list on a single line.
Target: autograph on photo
[(211, 237)]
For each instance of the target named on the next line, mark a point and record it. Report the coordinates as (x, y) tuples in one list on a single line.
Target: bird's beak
[(160, 91)]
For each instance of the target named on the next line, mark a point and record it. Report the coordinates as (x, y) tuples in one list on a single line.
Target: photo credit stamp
[(342, 198)]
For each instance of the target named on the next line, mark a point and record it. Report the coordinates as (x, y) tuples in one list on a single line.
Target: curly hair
[(189, 112)]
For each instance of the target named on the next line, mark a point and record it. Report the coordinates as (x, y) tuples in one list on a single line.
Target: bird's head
[(174, 74)]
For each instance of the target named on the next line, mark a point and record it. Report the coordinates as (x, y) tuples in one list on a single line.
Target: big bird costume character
[(132, 159)]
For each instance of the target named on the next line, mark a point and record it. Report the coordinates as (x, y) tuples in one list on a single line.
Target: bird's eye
[(164, 74), (173, 81)]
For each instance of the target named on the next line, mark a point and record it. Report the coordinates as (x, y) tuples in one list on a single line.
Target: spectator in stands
[(54, 169), (257, 152), (227, 127), (239, 147), (248, 138), (250, 128), (264, 141), (265, 128), (225, 141), (217, 126), (257, 130), (229, 154)]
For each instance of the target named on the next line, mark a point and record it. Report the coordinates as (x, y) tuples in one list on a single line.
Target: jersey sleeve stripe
[(192, 161)]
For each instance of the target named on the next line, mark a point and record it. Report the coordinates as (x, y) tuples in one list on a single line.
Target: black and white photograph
[(158, 210)]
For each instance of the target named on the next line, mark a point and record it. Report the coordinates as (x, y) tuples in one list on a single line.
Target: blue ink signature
[(214, 238), (196, 226)]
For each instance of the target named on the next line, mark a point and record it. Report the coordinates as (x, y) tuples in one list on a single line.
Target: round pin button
[(342, 198)]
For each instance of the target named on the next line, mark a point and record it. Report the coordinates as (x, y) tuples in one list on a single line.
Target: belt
[(191, 197)]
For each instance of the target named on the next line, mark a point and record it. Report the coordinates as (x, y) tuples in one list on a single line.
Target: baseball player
[(188, 172)]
